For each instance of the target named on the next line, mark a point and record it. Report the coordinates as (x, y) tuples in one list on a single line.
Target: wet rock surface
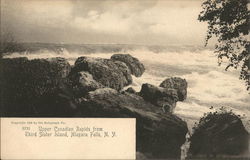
[(83, 82), (111, 74), (176, 83), (161, 97), (135, 66)]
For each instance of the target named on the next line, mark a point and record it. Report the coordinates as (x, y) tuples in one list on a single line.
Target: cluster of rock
[(113, 74), (93, 87)]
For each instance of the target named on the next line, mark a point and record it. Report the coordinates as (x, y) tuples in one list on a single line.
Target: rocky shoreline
[(94, 87)]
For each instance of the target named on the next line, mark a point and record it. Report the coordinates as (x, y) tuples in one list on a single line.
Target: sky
[(104, 21)]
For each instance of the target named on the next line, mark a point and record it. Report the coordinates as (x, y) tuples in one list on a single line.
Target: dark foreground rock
[(219, 134), (33, 87), (135, 66), (83, 82), (160, 134), (61, 64), (107, 72), (176, 83), (162, 97), (131, 90)]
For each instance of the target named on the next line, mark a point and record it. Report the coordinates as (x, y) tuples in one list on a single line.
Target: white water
[(208, 84)]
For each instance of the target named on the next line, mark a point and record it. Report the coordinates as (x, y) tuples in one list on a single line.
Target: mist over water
[(208, 84)]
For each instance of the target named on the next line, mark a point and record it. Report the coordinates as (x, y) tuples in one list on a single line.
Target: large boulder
[(219, 134), (83, 82), (162, 97), (135, 66), (111, 74), (157, 134), (62, 65), (31, 87), (176, 83)]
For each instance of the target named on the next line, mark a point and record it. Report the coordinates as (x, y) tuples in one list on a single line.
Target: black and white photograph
[(180, 68)]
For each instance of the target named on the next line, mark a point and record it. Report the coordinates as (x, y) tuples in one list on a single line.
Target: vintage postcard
[(125, 79)]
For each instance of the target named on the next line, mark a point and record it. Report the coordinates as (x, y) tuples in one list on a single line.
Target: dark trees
[(228, 21)]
